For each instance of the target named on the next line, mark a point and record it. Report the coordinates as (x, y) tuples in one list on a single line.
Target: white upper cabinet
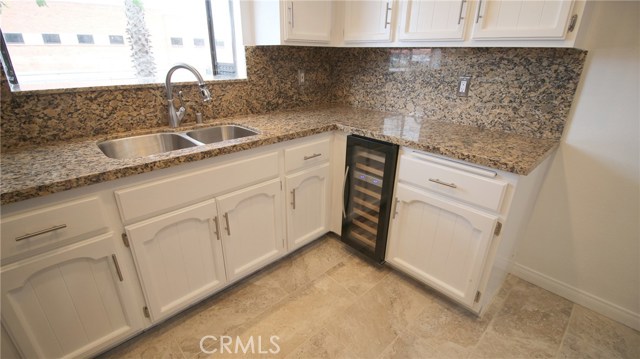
[(307, 20), (367, 21), (435, 20), (522, 19)]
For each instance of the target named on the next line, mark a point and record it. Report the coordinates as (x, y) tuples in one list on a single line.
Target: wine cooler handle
[(344, 188)]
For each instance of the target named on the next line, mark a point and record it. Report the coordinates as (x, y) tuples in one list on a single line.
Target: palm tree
[(140, 41)]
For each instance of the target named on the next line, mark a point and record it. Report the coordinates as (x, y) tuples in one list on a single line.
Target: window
[(85, 39), (198, 42), (13, 38), (147, 26), (51, 38), (116, 39)]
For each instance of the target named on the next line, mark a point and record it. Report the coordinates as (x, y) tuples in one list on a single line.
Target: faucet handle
[(204, 91)]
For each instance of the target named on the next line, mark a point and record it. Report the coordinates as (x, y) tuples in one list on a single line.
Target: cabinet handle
[(291, 11), (478, 16), (293, 198), (460, 17), (395, 208), (386, 16), (30, 235), (435, 180), (344, 188), (217, 226), (115, 261), (226, 219), (312, 156)]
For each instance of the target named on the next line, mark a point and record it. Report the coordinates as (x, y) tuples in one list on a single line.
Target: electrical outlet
[(463, 86), (300, 77)]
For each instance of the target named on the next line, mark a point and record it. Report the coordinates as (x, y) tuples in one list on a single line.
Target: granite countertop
[(37, 171)]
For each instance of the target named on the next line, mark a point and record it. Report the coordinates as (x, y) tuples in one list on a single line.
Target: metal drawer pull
[(30, 235), (115, 261), (293, 198), (478, 16), (226, 219), (312, 156), (435, 180), (386, 16)]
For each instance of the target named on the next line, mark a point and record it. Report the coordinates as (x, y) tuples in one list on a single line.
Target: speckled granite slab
[(37, 171)]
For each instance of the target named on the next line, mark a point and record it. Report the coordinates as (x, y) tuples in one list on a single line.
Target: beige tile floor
[(325, 301)]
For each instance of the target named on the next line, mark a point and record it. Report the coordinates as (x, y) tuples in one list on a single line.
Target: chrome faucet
[(175, 117)]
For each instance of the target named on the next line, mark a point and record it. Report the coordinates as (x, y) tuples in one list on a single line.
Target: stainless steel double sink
[(145, 145)]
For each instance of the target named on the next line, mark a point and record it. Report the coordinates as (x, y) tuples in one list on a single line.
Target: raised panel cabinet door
[(432, 20), (367, 21), (69, 302), (522, 19), (179, 257), (308, 20), (252, 228), (440, 242), (308, 198)]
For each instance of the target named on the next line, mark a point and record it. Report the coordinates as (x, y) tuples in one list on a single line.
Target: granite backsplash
[(525, 91)]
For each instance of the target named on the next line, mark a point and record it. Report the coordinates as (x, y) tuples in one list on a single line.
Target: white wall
[(583, 238)]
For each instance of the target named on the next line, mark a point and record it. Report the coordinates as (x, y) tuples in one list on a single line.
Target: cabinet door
[(308, 205), (433, 20), (179, 257), (442, 243), (522, 19), (308, 21), (69, 302), (251, 227), (367, 21)]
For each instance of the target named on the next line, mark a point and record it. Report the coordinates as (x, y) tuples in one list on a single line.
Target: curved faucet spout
[(175, 117)]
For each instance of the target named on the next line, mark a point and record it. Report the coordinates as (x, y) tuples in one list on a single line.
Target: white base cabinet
[(252, 228), (308, 201), (69, 302), (179, 258), (442, 243)]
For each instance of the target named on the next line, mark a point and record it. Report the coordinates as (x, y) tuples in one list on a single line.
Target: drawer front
[(46, 228), (457, 183), (308, 154), (157, 197)]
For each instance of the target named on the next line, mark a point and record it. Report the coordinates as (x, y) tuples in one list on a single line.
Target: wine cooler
[(368, 189)]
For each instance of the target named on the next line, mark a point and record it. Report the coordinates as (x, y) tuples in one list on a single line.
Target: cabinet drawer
[(307, 154), (46, 228), (454, 182), (157, 197)]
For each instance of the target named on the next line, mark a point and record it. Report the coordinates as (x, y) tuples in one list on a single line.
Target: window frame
[(229, 69)]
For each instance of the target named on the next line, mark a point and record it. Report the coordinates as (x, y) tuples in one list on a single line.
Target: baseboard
[(578, 296)]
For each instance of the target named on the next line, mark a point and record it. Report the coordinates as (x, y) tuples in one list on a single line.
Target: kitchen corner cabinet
[(70, 301), (454, 225), (307, 21), (368, 21), (252, 228), (522, 19), (179, 257)]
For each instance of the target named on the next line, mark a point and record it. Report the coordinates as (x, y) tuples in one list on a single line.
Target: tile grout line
[(566, 330)]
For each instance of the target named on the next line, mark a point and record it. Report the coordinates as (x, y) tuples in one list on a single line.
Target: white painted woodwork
[(251, 223), (470, 187), (307, 21), (308, 208), (522, 19), (7, 349), (433, 20), (442, 243), (179, 257), (308, 154), (68, 302), (159, 196), (368, 21), (84, 219)]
